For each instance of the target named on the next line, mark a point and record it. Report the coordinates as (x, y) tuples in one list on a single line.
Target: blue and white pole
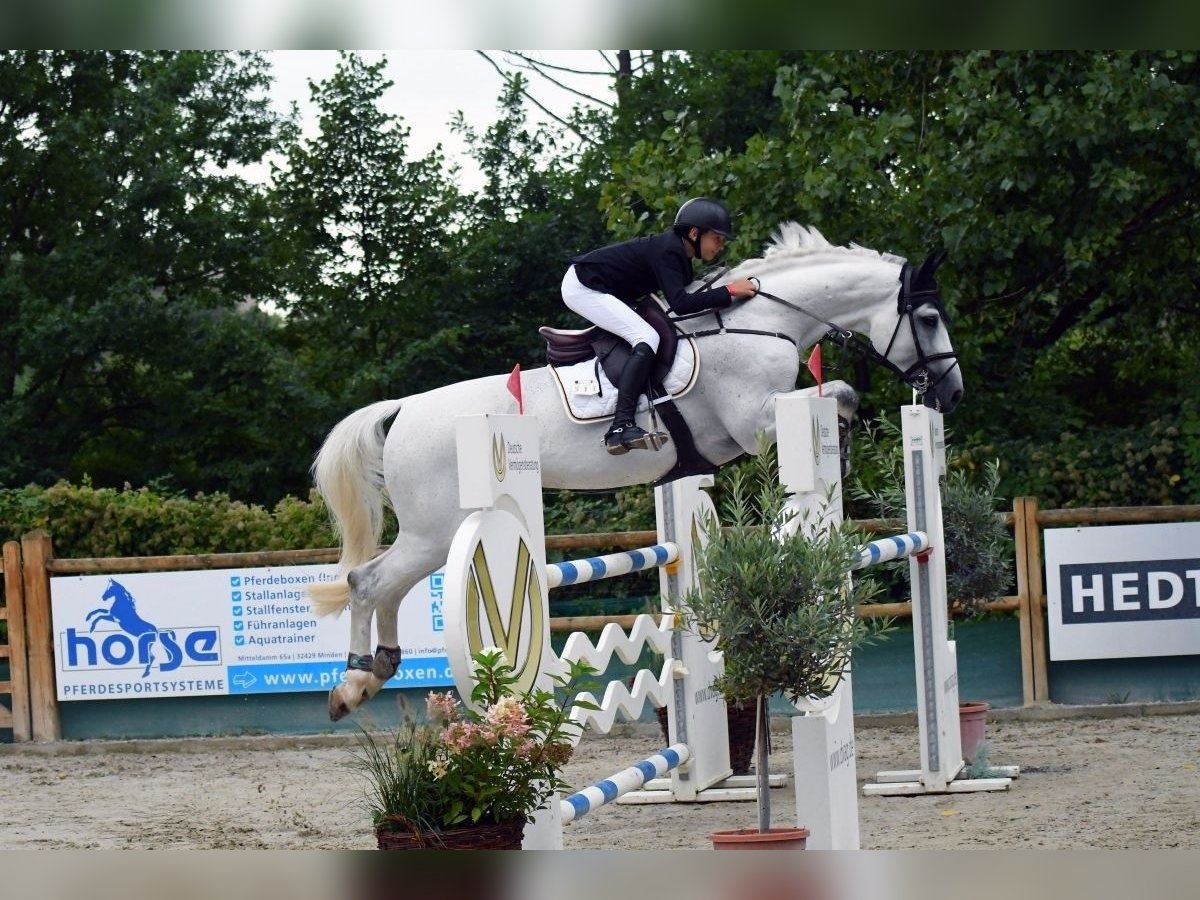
[(603, 792), (596, 568), (889, 548)]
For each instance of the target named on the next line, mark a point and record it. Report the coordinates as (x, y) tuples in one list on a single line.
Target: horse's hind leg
[(376, 588)]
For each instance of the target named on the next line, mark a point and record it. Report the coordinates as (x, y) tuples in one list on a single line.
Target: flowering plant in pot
[(470, 778), (780, 606)]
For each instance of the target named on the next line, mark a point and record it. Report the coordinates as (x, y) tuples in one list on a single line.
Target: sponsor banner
[(224, 631), (1123, 591)]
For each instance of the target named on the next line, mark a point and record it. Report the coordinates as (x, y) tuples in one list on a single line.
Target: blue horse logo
[(123, 612)]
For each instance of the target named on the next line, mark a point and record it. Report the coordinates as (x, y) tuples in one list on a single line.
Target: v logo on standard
[(515, 623)]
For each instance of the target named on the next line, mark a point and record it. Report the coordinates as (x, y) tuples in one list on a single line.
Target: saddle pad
[(588, 407)]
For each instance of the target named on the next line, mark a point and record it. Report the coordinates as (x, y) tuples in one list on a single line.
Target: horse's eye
[(930, 321)]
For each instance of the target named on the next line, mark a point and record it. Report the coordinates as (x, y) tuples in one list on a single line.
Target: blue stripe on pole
[(609, 789), (569, 572), (637, 557), (875, 552), (580, 802), (660, 554), (900, 543), (599, 569), (672, 757), (647, 769)]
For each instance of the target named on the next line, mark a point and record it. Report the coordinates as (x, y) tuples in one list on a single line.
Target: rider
[(601, 285)]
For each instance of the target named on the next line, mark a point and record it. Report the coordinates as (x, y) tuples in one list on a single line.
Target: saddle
[(566, 347)]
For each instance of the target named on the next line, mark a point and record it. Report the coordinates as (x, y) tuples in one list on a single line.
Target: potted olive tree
[(780, 606)]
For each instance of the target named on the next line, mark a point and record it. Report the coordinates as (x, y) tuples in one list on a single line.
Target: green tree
[(369, 240), (539, 207), (128, 238), (1063, 184)]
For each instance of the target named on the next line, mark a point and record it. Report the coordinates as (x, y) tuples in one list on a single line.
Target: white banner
[(1123, 591), (223, 631)]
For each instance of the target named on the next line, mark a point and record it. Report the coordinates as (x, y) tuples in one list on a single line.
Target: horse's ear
[(930, 266)]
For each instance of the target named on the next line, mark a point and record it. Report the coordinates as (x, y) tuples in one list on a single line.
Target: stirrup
[(623, 438), (649, 440)]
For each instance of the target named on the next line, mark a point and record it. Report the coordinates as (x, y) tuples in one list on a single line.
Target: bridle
[(910, 299), (918, 376)]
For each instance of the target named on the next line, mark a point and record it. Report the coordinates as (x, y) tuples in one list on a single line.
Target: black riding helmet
[(706, 214)]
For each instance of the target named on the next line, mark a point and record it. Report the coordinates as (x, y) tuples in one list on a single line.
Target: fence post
[(18, 658), (1025, 614), (1037, 601), (37, 550)]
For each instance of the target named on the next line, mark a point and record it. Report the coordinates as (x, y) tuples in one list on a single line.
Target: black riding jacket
[(632, 269)]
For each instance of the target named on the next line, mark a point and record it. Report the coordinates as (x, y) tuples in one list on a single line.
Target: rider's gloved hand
[(743, 289)]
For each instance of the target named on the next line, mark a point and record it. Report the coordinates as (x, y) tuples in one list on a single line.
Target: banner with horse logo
[(226, 631)]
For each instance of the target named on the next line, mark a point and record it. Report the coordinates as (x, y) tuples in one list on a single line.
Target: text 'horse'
[(810, 289)]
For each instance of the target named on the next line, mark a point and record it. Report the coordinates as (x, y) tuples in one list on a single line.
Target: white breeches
[(607, 311)]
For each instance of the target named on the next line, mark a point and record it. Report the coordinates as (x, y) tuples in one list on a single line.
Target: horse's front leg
[(102, 615)]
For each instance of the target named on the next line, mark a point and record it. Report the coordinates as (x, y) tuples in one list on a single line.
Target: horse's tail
[(348, 472)]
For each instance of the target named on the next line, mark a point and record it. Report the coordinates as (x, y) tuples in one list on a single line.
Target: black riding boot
[(625, 434)]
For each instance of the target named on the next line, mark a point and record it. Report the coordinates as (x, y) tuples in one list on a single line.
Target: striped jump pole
[(889, 548), (603, 792), (579, 571)]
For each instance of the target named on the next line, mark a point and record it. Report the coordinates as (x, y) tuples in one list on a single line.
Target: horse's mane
[(792, 240)]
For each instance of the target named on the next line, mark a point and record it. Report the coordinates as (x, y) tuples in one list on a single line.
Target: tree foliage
[(166, 319), (127, 241), (369, 238), (1064, 186)]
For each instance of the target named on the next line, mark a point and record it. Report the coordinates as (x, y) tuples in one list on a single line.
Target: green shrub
[(979, 549), (1136, 465), (86, 521)]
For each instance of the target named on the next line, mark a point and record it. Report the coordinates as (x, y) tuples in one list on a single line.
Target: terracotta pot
[(785, 838), (972, 721), (401, 835)]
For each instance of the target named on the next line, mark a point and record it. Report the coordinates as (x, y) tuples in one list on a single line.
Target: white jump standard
[(924, 447)]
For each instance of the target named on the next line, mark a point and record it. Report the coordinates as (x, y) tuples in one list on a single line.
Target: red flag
[(514, 387), (814, 366)]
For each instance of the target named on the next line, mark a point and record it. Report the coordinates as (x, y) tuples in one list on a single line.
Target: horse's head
[(115, 592), (915, 338)]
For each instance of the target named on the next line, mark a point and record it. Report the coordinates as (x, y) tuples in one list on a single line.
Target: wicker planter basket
[(400, 834)]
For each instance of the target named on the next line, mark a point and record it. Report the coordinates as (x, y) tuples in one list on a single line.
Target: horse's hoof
[(337, 707)]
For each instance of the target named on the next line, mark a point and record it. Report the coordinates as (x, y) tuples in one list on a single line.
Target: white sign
[(1123, 591), (223, 631)]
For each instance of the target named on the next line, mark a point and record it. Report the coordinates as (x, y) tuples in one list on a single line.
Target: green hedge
[(1139, 465), (87, 521)]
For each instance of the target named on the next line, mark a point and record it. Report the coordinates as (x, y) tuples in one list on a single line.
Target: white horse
[(810, 290)]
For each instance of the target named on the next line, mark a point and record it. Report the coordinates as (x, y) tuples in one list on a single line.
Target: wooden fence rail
[(12, 612), (28, 566)]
